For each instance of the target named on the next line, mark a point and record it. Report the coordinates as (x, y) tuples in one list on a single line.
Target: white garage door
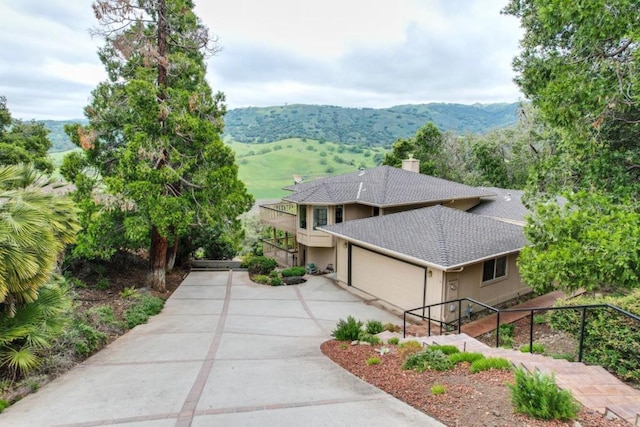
[(389, 279)]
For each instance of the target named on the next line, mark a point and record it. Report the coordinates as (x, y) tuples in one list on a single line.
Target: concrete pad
[(251, 383), (241, 278), (88, 393), (206, 278), (171, 324), (200, 292), (192, 306), (260, 325), (155, 348), (257, 347), (383, 412), (169, 422), (263, 292), (326, 310), (284, 308)]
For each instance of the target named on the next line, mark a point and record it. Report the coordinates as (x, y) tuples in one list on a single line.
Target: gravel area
[(480, 399)]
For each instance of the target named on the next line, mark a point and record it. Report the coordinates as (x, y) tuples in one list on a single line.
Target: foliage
[(364, 336), (34, 326), (538, 396), (464, 356), (374, 327), (438, 389), (426, 146), (261, 278), (409, 347), (611, 340), (87, 339), (373, 361), (427, 359), (152, 145), (393, 341), (275, 281), (129, 292), (144, 307), (537, 348), (392, 327), (347, 330), (446, 349), (4, 404), (261, 265), (293, 271), (35, 226), (487, 363), (506, 331), (23, 142)]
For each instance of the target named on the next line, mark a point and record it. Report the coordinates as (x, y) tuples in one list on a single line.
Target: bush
[(538, 396), (392, 327), (373, 361), (611, 340), (428, 359), (275, 281), (537, 348), (446, 349), (374, 327), (393, 340), (456, 358), (485, 364), (367, 337), (260, 278), (409, 347), (294, 272), (143, 308), (87, 339), (438, 389), (347, 330), (261, 265)]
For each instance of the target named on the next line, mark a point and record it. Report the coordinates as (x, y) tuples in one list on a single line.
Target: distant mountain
[(366, 126)]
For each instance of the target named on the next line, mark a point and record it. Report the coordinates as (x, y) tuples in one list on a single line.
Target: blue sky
[(353, 53)]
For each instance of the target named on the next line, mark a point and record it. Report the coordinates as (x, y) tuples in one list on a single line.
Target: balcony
[(281, 216)]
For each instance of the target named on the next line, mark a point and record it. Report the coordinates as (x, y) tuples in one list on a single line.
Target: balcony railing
[(281, 216)]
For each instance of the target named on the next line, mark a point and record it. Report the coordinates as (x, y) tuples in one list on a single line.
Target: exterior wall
[(321, 257), (393, 281), (342, 261), (463, 205), (355, 211), (396, 209), (492, 293), (315, 238)]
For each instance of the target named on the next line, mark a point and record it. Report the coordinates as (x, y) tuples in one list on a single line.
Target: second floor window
[(319, 216), (339, 213), (302, 216)]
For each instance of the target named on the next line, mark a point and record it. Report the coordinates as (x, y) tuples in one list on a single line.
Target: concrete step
[(629, 412)]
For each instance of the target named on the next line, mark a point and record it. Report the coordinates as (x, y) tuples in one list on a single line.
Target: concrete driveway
[(223, 352)]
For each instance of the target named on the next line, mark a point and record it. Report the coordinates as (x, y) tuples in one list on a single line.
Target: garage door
[(394, 281)]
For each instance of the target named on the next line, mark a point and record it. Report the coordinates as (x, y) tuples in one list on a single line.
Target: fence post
[(498, 329), (404, 324), (429, 321), (459, 315), (582, 321), (531, 334)]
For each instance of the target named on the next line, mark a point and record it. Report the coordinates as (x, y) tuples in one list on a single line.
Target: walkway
[(224, 351)]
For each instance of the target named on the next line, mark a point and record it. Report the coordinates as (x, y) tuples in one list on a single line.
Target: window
[(376, 211), (302, 216), (319, 216), (339, 212), (494, 269)]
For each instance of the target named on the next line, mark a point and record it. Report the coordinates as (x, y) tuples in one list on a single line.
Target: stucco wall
[(342, 259), (356, 212), (321, 257)]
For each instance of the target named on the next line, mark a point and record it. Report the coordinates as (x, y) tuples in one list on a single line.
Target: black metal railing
[(457, 323)]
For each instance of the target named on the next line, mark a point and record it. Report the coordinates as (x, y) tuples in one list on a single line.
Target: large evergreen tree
[(154, 128)]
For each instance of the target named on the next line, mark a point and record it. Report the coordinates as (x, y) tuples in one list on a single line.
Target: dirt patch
[(480, 399)]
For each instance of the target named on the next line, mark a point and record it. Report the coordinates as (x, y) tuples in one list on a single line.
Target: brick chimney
[(411, 164)]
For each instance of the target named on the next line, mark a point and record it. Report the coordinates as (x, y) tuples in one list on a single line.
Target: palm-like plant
[(35, 225)]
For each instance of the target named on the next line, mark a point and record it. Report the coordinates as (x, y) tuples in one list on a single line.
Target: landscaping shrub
[(143, 308), (260, 278), (506, 331), (261, 265), (367, 337), (427, 359), (275, 281), (392, 327), (538, 396), (347, 330), (393, 340), (489, 363), (4, 404), (373, 361), (86, 338), (438, 389), (293, 272), (409, 347), (537, 348), (611, 340), (456, 358), (374, 327), (446, 349)]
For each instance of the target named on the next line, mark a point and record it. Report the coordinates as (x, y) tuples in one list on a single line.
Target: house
[(405, 238)]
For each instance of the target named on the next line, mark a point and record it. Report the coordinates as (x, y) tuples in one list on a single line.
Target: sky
[(350, 53)]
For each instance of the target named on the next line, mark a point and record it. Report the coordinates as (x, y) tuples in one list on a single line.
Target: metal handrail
[(583, 309)]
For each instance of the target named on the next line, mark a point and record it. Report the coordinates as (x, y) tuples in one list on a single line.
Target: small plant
[(537, 348), (374, 327), (293, 272), (446, 349), (103, 284), (260, 278), (373, 361), (129, 292), (367, 337), (261, 265), (409, 347), (77, 283), (4, 404), (391, 327), (274, 273), (539, 319), (344, 346), (537, 395), (140, 312), (275, 281), (438, 389), (489, 363), (456, 358), (393, 341), (428, 360), (565, 356), (347, 330)]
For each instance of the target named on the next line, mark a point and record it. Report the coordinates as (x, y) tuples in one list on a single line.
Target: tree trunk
[(158, 260), (171, 258)]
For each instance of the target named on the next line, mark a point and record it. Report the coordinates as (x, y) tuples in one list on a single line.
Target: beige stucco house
[(407, 239)]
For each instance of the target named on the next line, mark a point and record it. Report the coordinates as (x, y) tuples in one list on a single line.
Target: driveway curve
[(223, 352)]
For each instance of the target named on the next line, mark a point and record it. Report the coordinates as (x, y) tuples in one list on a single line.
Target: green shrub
[(261, 265), (427, 360), (391, 327), (456, 358), (367, 337), (393, 340), (374, 327), (143, 308), (103, 318), (373, 361), (446, 349), (537, 348), (294, 271), (86, 339), (347, 330), (506, 330), (489, 363), (129, 292), (611, 340), (274, 274), (275, 281), (4, 404), (438, 389), (538, 396), (103, 284), (260, 278), (539, 319)]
